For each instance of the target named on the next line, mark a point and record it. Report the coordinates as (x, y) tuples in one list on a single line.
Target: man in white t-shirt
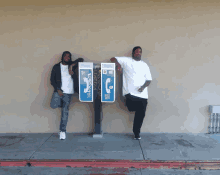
[(136, 78), (62, 79)]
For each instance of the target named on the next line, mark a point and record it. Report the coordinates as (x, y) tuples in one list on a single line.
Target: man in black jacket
[(65, 81)]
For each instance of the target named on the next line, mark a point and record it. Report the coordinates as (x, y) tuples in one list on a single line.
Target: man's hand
[(60, 93), (144, 86), (80, 59), (119, 69), (71, 72), (140, 89), (71, 69), (114, 60)]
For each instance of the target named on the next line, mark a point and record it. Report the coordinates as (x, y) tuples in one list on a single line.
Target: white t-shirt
[(67, 81), (135, 74)]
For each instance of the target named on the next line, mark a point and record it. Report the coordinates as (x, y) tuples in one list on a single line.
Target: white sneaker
[(62, 135)]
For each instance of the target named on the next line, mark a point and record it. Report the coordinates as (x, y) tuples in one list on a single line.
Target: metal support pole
[(98, 114), (215, 122), (210, 127), (97, 101), (218, 123)]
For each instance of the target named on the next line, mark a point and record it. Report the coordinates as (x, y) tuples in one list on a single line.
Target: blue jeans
[(65, 100), (138, 105)]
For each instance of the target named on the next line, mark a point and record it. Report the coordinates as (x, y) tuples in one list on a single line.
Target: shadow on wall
[(45, 89), (41, 105), (161, 104), (119, 99)]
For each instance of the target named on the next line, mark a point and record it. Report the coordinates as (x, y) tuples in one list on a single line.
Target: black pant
[(138, 105)]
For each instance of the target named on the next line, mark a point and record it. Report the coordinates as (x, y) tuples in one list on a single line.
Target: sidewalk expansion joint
[(142, 150), (41, 146)]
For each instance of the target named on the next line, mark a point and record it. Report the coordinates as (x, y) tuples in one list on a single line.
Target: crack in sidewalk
[(142, 149), (40, 146)]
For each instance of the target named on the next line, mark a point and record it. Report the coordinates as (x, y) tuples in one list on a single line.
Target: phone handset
[(87, 84), (108, 80)]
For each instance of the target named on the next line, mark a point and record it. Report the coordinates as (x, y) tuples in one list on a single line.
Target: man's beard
[(137, 58), (69, 62)]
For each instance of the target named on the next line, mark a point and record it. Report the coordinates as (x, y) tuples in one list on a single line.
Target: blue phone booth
[(108, 82), (97, 85), (86, 82)]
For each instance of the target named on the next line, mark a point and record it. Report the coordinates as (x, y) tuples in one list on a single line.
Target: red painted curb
[(214, 165), (13, 163)]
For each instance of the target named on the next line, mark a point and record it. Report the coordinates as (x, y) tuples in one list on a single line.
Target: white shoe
[(62, 135)]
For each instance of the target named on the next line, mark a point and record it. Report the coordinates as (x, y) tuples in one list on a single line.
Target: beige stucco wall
[(180, 41)]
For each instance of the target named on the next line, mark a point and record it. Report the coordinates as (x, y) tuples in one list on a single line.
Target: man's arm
[(118, 65), (54, 83), (114, 60), (74, 63), (77, 61), (52, 78), (147, 83)]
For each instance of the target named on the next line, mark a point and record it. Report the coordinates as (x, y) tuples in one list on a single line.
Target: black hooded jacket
[(56, 80)]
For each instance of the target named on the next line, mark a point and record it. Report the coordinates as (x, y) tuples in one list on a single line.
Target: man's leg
[(141, 106), (65, 111), (130, 103)]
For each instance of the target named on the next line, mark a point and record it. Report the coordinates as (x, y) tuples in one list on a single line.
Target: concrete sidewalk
[(111, 149)]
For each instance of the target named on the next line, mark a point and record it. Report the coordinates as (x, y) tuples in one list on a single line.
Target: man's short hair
[(64, 54), (135, 48)]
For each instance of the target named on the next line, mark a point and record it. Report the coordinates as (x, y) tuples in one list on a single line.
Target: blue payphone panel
[(86, 82), (107, 82)]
